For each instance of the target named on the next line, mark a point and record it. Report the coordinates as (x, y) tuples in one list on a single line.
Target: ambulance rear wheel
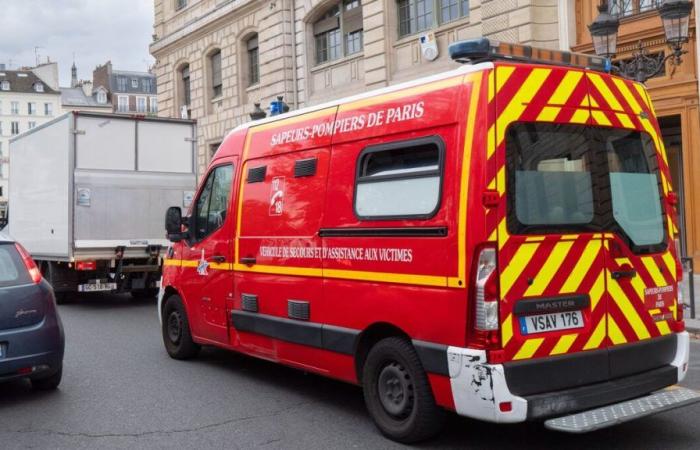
[(397, 392), (176, 330)]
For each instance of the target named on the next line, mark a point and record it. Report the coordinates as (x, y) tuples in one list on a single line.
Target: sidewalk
[(692, 325)]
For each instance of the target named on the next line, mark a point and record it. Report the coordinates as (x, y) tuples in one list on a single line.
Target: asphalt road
[(121, 390)]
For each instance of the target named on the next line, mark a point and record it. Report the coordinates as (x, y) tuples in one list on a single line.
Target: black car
[(31, 332)]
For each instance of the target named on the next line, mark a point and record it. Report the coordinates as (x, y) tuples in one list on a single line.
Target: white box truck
[(88, 194)]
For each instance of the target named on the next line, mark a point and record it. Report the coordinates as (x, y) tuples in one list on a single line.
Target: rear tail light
[(86, 265), (485, 331), (29, 263)]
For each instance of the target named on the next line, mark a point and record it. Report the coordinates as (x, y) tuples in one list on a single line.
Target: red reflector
[(505, 406), (490, 198), (25, 370), (86, 265)]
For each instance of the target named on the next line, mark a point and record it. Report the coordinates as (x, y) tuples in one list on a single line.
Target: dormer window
[(101, 97), (5, 85), (38, 87)]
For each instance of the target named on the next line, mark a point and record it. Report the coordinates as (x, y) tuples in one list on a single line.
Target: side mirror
[(173, 224)]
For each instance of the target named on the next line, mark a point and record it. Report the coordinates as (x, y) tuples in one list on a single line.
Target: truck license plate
[(542, 323), (95, 287)]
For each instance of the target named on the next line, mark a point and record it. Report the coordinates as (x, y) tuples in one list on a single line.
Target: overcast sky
[(95, 30)]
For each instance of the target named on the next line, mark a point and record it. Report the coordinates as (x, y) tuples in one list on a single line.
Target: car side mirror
[(173, 224)]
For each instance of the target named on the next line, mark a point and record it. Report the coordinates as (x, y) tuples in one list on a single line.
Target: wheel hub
[(174, 327), (395, 390)]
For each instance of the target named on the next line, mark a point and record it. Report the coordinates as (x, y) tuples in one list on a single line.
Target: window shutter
[(352, 20), (327, 24)]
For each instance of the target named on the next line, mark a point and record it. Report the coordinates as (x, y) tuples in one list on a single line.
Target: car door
[(207, 258)]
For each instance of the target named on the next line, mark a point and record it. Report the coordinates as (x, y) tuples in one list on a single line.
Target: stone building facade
[(216, 58)]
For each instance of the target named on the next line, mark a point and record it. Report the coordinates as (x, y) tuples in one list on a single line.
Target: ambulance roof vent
[(483, 49)]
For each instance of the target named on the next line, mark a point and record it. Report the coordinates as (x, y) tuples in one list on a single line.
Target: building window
[(101, 97), (123, 103), (338, 32), (141, 104), (215, 68), (38, 87), (31, 108), (48, 109), (14, 107), (14, 128), (179, 4), (121, 84), (624, 8), (185, 85), (253, 61), (418, 15), (147, 85), (5, 85), (154, 104), (135, 83), (31, 124)]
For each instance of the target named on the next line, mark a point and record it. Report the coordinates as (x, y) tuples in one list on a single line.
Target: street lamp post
[(675, 15)]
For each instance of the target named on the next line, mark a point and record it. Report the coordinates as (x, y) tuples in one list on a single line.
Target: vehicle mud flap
[(615, 414)]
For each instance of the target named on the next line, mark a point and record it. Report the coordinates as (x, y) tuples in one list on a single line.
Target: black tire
[(176, 330), (48, 383), (397, 392), (144, 294)]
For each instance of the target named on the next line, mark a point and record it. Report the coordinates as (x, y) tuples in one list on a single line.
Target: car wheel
[(176, 330), (48, 383), (397, 392)]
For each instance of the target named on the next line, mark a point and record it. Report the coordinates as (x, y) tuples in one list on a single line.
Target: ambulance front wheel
[(398, 394), (176, 330)]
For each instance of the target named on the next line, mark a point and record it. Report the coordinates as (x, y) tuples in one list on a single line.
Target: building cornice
[(197, 24)]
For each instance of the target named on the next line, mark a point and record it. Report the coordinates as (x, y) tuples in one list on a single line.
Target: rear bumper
[(40, 346), (479, 388)]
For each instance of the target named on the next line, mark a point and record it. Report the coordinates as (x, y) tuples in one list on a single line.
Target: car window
[(12, 270), (212, 204)]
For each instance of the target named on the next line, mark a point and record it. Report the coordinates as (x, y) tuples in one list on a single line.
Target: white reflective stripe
[(682, 355), (478, 387)]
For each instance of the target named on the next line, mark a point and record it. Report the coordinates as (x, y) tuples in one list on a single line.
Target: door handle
[(217, 259), (617, 274), (248, 261)]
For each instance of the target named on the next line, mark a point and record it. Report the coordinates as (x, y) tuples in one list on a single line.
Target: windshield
[(565, 178)]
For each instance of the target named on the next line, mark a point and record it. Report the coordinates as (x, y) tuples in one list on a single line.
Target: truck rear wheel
[(398, 394), (176, 330)]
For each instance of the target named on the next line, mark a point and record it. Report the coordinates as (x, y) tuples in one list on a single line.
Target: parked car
[(31, 332)]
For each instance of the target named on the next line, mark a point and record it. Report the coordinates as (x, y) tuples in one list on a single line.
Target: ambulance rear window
[(400, 180)]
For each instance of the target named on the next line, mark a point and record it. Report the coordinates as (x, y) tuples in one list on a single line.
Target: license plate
[(542, 323), (95, 287)]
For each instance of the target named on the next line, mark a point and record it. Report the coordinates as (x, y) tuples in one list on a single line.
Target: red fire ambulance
[(497, 240)]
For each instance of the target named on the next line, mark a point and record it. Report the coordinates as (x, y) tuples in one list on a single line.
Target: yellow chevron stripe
[(614, 332), (518, 103), (654, 271), (605, 91), (590, 101), (548, 114), (494, 235), (566, 88), (597, 290), (502, 75), (600, 117), (627, 309), (625, 120), (502, 233), (564, 344), (670, 264), (528, 349), (663, 327), (597, 337), (580, 116), (491, 141), (520, 260), (507, 326), (549, 268), (491, 86), (534, 239), (581, 268), (643, 93)]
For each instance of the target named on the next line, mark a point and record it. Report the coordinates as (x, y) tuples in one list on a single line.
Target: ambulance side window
[(400, 180), (212, 205)]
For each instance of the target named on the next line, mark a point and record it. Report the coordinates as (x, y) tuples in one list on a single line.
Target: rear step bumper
[(480, 390), (607, 416)]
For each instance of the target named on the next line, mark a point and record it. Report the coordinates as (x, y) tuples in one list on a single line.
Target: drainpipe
[(295, 89)]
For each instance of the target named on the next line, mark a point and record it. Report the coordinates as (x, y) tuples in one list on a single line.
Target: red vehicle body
[(398, 216)]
